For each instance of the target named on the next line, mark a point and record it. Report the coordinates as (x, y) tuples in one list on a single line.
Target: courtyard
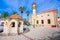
[(37, 33)]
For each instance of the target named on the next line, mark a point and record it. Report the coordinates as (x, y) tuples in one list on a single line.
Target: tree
[(14, 12), (22, 9), (25, 21), (28, 13), (0, 15), (5, 14)]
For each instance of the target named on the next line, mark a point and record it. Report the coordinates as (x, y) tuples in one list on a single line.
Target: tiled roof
[(15, 16)]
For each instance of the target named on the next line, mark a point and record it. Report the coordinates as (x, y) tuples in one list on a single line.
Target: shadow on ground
[(56, 36), (25, 30)]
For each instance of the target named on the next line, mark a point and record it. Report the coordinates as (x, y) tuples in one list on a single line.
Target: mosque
[(14, 23), (46, 18)]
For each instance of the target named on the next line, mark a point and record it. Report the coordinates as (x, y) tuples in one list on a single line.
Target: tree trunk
[(21, 14)]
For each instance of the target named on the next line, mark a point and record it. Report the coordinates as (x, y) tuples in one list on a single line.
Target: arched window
[(42, 21), (49, 21), (37, 22), (13, 24)]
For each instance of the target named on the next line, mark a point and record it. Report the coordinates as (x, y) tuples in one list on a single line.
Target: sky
[(41, 5)]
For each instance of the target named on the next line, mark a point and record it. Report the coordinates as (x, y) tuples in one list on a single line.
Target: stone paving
[(38, 33)]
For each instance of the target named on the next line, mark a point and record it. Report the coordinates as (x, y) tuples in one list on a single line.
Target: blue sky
[(13, 5)]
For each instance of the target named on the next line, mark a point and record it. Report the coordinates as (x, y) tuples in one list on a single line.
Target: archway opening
[(13, 24)]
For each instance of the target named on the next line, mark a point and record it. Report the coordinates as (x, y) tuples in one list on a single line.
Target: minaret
[(34, 8), (34, 14)]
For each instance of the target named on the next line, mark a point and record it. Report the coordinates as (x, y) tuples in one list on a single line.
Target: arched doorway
[(13, 24), (49, 22)]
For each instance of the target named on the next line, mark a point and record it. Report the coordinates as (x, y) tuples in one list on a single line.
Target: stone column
[(21, 27)]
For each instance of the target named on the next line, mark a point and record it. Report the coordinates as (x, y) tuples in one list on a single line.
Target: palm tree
[(14, 12), (28, 13), (5, 14), (22, 9)]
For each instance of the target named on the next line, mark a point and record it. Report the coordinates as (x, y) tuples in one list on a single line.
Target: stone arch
[(14, 22), (13, 28)]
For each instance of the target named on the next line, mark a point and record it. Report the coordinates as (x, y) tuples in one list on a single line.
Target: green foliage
[(14, 12), (5, 14), (22, 8), (1, 16), (27, 12), (26, 22)]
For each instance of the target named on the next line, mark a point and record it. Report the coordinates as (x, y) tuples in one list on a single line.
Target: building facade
[(45, 18)]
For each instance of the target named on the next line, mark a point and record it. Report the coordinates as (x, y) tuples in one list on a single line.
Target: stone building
[(46, 18), (13, 25)]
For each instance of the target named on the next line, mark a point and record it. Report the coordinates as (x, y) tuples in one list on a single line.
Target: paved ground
[(38, 33), (43, 33)]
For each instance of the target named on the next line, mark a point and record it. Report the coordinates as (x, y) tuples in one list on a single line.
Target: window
[(49, 21), (42, 21), (13, 24), (37, 22)]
